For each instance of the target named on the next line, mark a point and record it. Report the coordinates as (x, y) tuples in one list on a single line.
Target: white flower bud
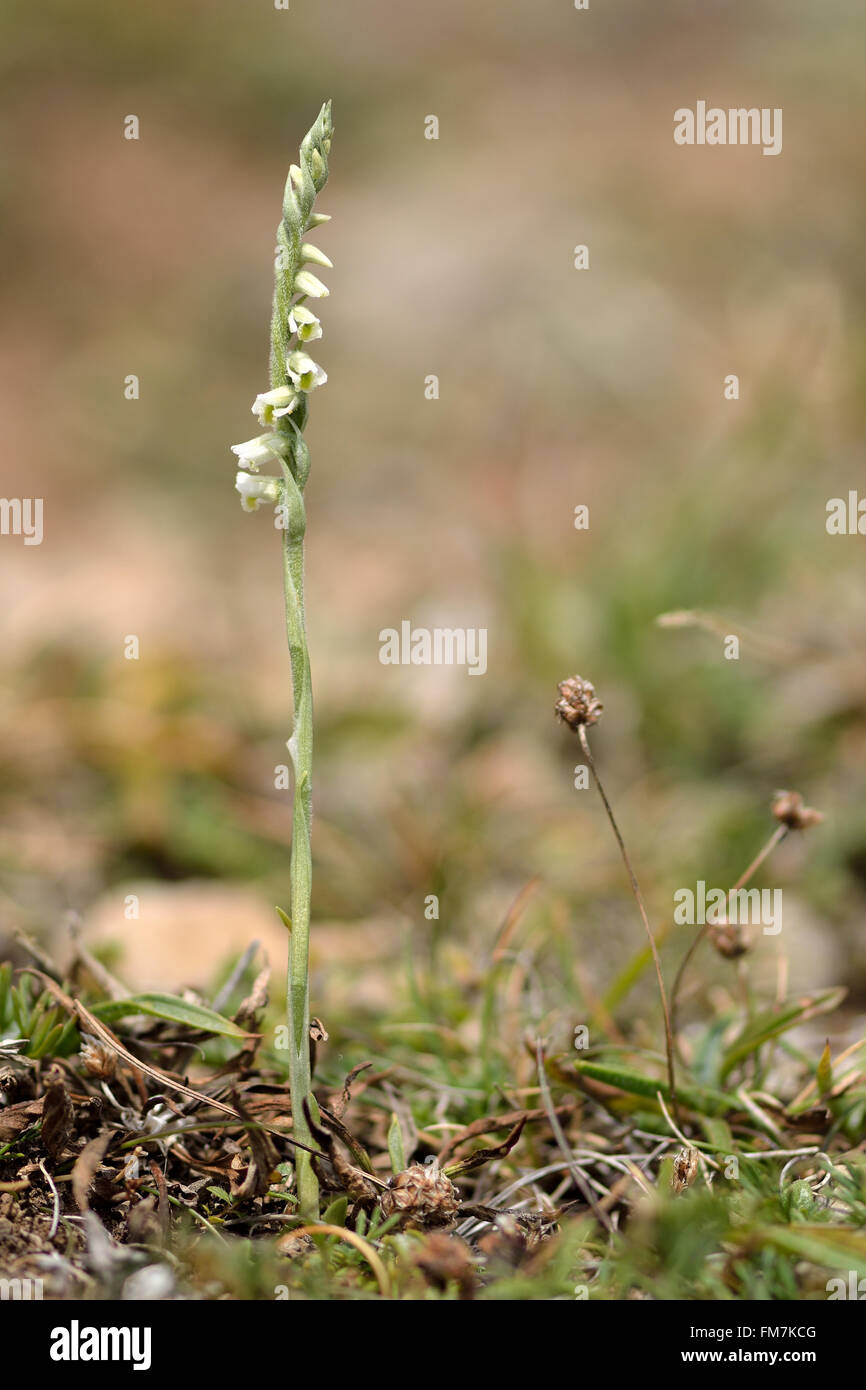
[(314, 256), (308, 283)]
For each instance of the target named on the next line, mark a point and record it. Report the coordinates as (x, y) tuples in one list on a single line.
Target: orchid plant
[(282, 412)]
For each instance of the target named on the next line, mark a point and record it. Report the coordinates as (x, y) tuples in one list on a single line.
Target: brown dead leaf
[(163, 1210), (339, 1100), (481, 1156), (87, 1165), (16, 1118), (256, 1181), (493, 1122), (57, 1115), (140, 1068), (255, 1003)]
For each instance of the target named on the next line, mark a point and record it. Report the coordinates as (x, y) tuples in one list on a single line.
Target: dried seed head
[(422, 1196), (96, 1058), (685, 1169), (728, 938), (788, 808), (577, 703)]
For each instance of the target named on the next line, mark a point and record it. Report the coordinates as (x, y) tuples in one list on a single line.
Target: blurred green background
[(557, 387)]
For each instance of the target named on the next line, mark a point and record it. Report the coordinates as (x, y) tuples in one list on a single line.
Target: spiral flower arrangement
[(282, 410)]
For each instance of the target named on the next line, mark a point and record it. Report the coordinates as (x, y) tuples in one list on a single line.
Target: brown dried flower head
[(730, 939), (788, 808), (96, 1058), (422, 1195), (685, 1169), (577, 703)]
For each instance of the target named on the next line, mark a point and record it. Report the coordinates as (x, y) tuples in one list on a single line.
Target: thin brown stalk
[(635, 888), (775, 839)]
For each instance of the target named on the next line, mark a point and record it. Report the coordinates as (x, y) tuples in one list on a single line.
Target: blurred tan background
[(557, 387)]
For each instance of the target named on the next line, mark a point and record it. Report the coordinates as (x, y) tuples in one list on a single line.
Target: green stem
[(300, 747), (297, 218)]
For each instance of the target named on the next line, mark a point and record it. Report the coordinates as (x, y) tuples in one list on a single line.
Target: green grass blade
[(700, 1098), (771, 1023), (173, 1010)]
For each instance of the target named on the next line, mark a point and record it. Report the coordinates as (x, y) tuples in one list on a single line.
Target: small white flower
[(304, 322), (305, 373), (254, 491), (272, 405), (263, 449)]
